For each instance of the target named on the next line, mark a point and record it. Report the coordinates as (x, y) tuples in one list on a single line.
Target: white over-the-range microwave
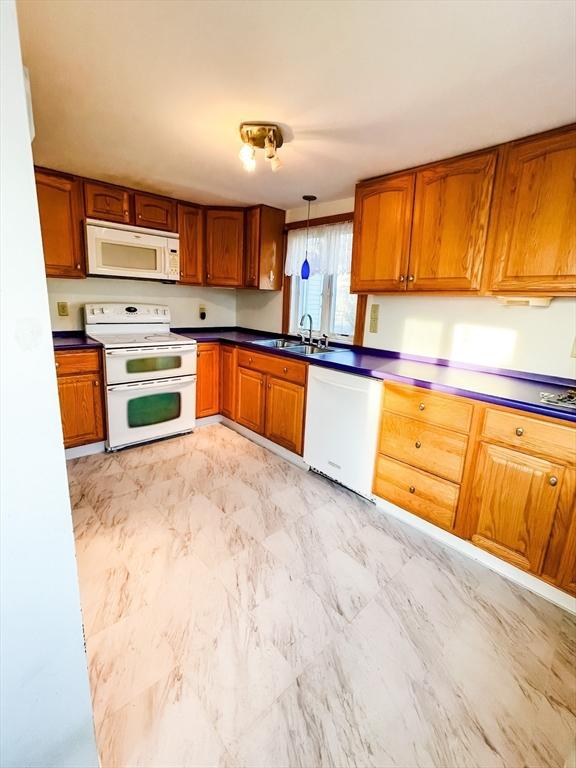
[(118, 250)]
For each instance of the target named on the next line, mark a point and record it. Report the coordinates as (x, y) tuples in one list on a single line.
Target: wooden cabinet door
[(250, 399), (81, 409), (60, 208), (512, 502), (191, 230), (104, 201), (534, 243), (224, 247), (154, 212), (252, 265), (228, 369), (284, 413), (264, 248), (208, 380), (382, 224), (451, 209)]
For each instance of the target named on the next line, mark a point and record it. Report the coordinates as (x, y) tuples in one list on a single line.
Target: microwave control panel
[(173, 263)]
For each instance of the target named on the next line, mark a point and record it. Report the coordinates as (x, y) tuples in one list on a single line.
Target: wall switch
[(202, 312), (374, 309), (62, 308)]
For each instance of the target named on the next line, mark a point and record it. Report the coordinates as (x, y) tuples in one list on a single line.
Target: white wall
[(261, 310), (478, 330), (184, 301), (319, 209), (46, 714)]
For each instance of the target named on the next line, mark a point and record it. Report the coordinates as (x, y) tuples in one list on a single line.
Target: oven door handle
[(150, 350), (173, 383)]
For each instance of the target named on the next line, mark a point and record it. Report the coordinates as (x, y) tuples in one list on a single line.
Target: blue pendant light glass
[(305, 270)]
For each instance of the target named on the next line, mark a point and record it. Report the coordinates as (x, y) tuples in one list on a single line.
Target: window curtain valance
[(329, 249)]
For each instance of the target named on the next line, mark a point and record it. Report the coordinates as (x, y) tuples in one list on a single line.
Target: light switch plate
[(374, 309), (62, 308)]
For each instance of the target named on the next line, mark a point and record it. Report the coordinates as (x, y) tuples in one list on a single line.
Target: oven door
[(150, 363), (149, 410)]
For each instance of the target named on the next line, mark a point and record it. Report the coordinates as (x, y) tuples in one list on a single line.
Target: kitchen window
[(325, 295)]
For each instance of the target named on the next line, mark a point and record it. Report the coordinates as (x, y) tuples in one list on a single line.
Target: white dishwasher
[(342, 417)]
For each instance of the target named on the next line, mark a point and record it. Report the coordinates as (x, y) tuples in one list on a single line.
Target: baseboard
[(265, 443), (205, 421), (85, 450), (517, 575)]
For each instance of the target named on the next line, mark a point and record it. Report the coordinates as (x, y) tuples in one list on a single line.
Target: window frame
[(327, 314)]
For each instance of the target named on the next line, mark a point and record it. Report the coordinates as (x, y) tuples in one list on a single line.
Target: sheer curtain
[(329, 249)]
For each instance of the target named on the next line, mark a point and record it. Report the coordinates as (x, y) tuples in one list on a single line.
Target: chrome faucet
[(301, 324)]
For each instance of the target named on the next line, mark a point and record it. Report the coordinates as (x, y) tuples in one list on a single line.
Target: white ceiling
[(151, 92)]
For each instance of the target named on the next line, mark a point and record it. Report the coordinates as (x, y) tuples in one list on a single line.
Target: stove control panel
[(126, 313)]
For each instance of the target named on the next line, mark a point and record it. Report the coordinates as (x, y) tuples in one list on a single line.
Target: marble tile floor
[(240, 611)]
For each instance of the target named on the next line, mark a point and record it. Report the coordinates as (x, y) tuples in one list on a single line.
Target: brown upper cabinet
[(154, 212), (104, 201), (191, 229), (264, 248), (533, 246), (381, 245), (224, 247), (440, 228), (60, 208), (451, 211)]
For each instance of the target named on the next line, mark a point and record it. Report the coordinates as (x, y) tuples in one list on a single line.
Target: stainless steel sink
[(277, 343), (310, 349)]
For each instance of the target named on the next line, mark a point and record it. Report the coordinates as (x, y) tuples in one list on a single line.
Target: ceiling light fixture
[(266, 136)]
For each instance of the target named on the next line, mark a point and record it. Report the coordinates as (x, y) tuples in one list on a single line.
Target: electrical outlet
[(374, 309), (62, 308), (202, 313)]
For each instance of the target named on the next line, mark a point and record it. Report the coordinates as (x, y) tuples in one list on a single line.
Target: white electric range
[(150, 372)]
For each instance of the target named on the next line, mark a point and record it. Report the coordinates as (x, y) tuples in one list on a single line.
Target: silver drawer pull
[(519, 431), (417, 444), (553, 480), (412, 489), (421, 407)]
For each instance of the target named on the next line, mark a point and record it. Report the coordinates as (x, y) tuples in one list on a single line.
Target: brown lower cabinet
[(516, 494), (208, 380), (80, 390), (251, 399), (228, 363), (284, 413)]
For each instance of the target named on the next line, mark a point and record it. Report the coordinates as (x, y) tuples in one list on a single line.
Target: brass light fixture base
[(255, 133)]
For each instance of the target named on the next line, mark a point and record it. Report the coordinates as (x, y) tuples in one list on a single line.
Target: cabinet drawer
[(281, 367), (425, 495), (442, 410), (430, 448), (525, 433), (71, 362)]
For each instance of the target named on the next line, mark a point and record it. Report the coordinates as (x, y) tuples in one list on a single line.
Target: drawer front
[(84, 361), (525, 433), (433, 449), (281, 367), (427, 496), (441, 410)]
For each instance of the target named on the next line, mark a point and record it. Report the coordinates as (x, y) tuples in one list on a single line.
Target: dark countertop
[(73, 340), (501, 387)]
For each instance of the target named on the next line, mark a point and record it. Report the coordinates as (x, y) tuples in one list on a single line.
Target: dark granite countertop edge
[(77, 340)]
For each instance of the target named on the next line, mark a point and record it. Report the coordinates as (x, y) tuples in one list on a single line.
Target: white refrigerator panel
[(342, 417)]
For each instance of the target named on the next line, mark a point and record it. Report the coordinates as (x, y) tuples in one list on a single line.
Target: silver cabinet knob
[(421, 407), (417, 444), (401, 278), (285, 369), (519, 431), (412, 489), (411, 278), (553, 480)]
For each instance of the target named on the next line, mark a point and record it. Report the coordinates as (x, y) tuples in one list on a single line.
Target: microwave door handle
[(158, 384)]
